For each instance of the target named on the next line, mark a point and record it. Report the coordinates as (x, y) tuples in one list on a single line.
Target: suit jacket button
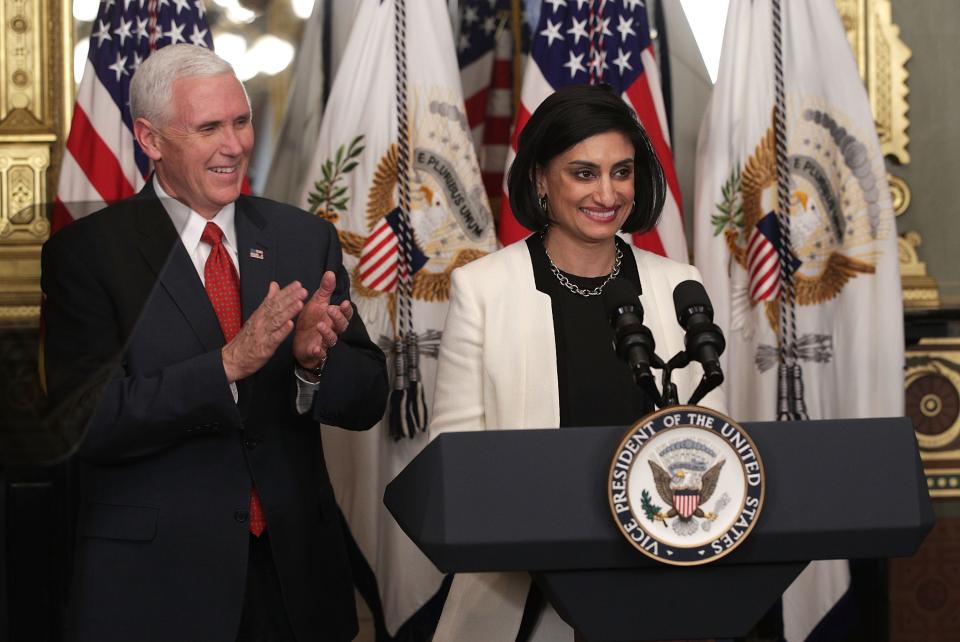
[(250, 444), (241, 516)]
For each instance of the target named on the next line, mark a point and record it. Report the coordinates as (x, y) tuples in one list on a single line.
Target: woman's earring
[(543, 203)]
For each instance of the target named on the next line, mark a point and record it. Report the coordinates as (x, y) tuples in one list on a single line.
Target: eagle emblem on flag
[(379, 247), (449, 214), (836, 197)]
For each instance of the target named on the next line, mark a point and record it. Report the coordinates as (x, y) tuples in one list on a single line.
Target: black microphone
[(704, 339), (633, 341)]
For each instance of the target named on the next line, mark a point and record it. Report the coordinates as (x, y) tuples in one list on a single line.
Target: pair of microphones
[(634, 342)]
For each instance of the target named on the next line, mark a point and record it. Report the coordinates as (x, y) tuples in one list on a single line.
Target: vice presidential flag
[(798, 249), (395, 170), (594, 41), (102, 163)]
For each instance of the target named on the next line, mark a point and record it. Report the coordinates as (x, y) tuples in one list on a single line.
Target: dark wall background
[(36, 523), (931, 28)]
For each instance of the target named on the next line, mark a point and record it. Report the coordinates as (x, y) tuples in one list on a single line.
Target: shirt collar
[(190, 225)]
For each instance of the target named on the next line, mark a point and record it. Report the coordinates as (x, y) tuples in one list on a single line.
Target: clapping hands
[(320, 324), (318, 327)]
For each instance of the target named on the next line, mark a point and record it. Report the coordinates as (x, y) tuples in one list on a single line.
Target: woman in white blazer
[(527, 343)]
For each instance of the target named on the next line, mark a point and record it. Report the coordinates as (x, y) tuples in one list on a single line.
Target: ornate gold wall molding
[(881, 57), (919, 289), (36, 100), (23, 169), (900, 193)]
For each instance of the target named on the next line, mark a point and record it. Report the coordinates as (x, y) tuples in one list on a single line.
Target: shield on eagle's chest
[(686, 502), (380, 266), (378, 259)]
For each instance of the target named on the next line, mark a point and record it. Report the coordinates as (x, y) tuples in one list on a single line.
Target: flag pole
[(790, 403)]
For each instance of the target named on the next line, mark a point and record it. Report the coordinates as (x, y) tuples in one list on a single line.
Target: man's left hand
[(320, 324)]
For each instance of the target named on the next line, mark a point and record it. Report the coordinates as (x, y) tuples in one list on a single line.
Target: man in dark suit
[(206, 511)]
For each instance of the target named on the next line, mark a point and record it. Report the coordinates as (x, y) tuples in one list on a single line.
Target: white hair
[(151, 88)]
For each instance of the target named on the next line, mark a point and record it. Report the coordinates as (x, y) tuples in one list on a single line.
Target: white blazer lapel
[(528, 394), (542, 390), (658, 313)]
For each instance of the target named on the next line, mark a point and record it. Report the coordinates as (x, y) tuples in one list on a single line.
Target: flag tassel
[(416, 405), (784, 412), (398, 418), (797, 402)]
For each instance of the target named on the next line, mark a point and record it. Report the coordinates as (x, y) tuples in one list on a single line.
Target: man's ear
[(148, 138)]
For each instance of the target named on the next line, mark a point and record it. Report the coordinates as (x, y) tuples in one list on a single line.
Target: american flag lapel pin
[(256, 254)]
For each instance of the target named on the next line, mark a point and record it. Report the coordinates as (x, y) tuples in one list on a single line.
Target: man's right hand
[(263, 332)]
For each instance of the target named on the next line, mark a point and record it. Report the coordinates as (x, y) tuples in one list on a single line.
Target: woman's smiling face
[(589, 188)]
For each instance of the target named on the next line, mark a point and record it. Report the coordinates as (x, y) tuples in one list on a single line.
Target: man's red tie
[(223, 288)]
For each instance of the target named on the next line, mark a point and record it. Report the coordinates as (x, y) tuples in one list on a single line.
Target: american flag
[(379, 258), (102, 162), (485, 57), (763, 260), (592, 41)]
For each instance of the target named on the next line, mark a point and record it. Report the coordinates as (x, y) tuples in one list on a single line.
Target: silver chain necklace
[(565, 282)]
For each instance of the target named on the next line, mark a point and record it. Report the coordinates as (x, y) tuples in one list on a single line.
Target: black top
[(596, 387)]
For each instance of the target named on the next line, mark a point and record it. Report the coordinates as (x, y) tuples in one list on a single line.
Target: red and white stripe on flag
[(601, 41), (496, 130), (485, 57), (378, 259), (763, 265), (101, 162)]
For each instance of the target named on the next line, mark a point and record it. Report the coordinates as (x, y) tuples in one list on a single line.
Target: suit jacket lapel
[(160, 245), (257, 256), (256, 253)]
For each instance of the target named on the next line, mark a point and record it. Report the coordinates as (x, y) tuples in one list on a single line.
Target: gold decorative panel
[(19, 295), (25, 39), (23, 171), (933, 403), (36, 100), (881, 57)]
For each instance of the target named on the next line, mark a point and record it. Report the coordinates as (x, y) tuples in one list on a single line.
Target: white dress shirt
[(190, 225)]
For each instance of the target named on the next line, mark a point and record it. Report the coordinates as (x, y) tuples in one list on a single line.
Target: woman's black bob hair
[(565, 118)]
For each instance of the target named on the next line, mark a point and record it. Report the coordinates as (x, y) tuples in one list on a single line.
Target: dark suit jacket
[(167, 458)]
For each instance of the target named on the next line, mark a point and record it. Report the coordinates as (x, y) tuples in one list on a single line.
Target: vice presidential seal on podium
[(686, 485)]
